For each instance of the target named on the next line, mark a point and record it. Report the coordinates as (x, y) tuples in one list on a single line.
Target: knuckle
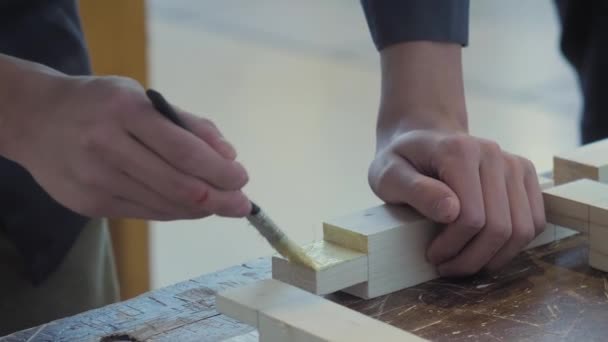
[(232, 176), (491, 147), (185, 191), (458, 146), (118, 93), (519, 166), (514, 167), (186, 156), (528, 167), (499, 232), (417, 184), (385, 176), (523, 234), (474, 221)]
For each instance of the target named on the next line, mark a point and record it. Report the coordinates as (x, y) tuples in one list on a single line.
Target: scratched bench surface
[(548, 293)]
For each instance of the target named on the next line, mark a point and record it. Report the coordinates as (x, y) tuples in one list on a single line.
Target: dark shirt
[(395, 21), (47, 32)]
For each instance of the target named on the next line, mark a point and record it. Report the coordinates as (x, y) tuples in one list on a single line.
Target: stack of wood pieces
[(380, 250), (580, 198)]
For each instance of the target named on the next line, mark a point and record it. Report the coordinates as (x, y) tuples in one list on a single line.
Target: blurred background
[(295, 87)]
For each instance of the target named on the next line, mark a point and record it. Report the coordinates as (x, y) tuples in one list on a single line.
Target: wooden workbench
[(548, 293)]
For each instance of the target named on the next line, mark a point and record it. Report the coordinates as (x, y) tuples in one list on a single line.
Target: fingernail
[(444, 209)]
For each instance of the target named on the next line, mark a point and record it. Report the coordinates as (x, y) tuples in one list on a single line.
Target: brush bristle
[(294, 253)]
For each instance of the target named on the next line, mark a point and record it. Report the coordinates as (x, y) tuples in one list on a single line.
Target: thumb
[(399, 182)]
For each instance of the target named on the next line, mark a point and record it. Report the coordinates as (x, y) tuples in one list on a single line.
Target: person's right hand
[(98, 147)]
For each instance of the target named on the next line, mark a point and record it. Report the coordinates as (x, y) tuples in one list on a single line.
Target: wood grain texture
[(282, 312), (116, 35), (548, 293)]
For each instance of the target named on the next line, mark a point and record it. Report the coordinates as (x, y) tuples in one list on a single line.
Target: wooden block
[(339, 268), (569, 204), (598, 260), (589, 161), (598, 238), (395, 239), (282, 312), (598, 212)]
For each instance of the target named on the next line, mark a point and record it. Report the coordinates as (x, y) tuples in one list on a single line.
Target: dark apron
[(42, 231)]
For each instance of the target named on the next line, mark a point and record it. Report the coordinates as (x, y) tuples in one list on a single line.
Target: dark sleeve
[(395, 21)]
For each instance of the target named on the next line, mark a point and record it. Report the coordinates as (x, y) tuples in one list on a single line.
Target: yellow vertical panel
[(117, 39)]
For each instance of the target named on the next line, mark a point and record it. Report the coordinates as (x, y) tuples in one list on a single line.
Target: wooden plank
[(116, 34), (282, 312), (339, 268), (589, 161)]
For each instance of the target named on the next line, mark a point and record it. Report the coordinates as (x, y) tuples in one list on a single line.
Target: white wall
[(296, 90)]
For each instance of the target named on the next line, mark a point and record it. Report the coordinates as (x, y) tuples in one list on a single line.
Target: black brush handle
[(161, 105)]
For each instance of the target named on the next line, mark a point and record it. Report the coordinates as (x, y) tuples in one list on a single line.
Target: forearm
[(422, 87), (24, 86)]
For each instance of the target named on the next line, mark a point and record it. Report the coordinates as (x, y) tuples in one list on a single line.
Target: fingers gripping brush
[(265, 226)]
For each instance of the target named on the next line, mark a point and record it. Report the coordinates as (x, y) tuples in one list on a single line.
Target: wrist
[(422, 88), (27, 92)]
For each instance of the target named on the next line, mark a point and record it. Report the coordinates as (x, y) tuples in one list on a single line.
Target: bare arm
[(422, 87)]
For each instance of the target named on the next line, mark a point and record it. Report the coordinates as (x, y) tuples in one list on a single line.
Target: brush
[(260, 220)]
